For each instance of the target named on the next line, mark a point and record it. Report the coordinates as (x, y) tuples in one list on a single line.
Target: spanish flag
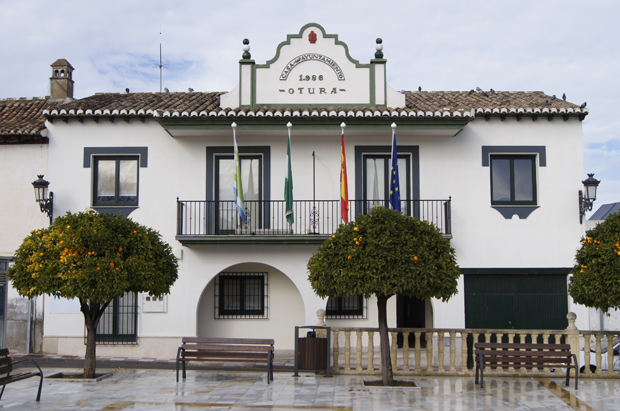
[(344, 188)]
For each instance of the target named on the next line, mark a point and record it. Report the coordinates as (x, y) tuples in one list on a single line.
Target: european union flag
[(394, 184)]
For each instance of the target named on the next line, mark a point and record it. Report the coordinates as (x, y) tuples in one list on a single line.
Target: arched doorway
[(251, 300)]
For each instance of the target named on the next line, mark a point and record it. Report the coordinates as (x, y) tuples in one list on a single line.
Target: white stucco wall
[(21, 163), (449, 166), (20, 213)]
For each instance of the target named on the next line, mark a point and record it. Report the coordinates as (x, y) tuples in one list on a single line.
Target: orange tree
[(94, 258), (595, 280), (385, 253)]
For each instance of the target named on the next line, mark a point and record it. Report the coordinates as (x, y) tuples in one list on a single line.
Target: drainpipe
[(602, 320)]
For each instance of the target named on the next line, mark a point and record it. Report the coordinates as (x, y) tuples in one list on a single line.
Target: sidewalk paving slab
[(157, 390)]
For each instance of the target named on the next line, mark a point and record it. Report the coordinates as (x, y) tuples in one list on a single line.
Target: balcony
[(217, 223)]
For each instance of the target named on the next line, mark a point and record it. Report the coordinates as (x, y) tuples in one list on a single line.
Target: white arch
[(286, 308)]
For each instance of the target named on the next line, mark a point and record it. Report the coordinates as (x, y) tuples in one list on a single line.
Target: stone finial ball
[(320, 312)]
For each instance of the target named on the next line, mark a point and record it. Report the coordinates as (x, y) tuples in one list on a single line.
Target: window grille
[(241, 296), (119, 322), (4, 266), (353, 307)]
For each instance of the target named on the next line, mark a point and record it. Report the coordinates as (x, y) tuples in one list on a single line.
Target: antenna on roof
[(160, 65)]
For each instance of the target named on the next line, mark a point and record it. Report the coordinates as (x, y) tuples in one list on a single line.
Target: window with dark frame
[(376, 169), (119, 322), (513, 179), (345, 307), (241, 295), (252, 183), (115, 181)]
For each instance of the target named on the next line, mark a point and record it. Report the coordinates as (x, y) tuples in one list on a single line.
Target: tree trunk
[(90, 359), (92, 314), (386, 361)]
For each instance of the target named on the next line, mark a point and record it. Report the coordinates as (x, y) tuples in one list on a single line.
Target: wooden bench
[(226, 350), (529, 356), (6, 367)]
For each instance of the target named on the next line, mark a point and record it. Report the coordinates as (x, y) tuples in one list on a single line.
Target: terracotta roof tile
[(438, 100), (146, 101), (418, 104), (22, 120)]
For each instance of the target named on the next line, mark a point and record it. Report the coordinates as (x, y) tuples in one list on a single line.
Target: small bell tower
[(61, 82)]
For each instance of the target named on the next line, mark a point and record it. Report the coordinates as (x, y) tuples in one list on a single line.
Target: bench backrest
[(217, 346), (229, 341), (523, 348), (5, 362), (526, 355)]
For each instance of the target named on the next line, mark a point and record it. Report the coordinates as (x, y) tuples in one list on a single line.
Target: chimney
[(61, 83)]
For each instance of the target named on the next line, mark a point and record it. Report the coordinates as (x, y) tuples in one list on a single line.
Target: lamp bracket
[(47, 206)]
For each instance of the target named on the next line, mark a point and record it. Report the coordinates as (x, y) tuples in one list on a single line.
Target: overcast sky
[(566, 46)]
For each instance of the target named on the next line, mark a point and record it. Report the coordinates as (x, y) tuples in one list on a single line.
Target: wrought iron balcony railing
[(312, 217)]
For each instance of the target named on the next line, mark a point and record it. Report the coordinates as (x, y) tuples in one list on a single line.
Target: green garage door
[(518, 301)]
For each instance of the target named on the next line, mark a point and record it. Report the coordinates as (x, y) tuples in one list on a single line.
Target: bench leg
[(481, 366), (269, 366), (40, 387), (576, 372), (2, 392), (178, 358)]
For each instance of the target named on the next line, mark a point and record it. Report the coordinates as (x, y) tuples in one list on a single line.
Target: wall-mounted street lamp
[(40, 195), (585, 202)]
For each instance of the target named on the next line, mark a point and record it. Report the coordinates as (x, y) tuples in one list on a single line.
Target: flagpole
[(394, 183), (313, 177), (314, 214), (344, 186), (288, 183)]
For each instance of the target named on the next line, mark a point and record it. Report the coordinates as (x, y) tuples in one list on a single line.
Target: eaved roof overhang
[(430, 113), (436, 124)]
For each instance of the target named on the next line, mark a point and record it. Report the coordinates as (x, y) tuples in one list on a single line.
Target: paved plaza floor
[(157, 390)]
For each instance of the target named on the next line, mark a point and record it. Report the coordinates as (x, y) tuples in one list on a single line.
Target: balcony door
[(377, 181), (227, 218)]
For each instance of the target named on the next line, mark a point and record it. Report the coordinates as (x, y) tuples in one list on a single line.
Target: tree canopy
[(94, 258), (595, 280), (385, 253)]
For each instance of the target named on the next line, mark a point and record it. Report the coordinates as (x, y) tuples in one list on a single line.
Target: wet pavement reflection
[(157, 390)]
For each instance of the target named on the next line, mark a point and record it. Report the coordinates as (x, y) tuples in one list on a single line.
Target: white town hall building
[(497, 172)]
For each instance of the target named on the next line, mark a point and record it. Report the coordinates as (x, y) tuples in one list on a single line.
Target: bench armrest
[(28, 359), (179, 353)]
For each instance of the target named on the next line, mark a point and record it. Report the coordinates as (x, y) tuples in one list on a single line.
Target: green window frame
[(115, 180), (513, 179)]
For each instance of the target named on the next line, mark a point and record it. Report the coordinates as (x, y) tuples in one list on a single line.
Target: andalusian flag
[(344, 188), (394, 185), (288, 181), (237, 186)]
